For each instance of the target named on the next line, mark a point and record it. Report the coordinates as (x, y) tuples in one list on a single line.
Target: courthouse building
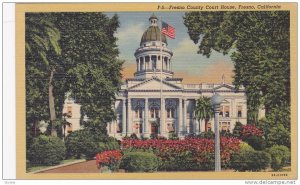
[(148, 105)]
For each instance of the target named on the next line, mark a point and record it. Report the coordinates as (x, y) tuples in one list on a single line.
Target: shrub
[(278, 135), (250, 130), (139, 162), (46, 150), (206, 135), (173, 136), (280, 155), (112, 145), (81, 142), (237, 129), (249, 160), (258, 143), (133, 136), (198, 151), (109, 158)]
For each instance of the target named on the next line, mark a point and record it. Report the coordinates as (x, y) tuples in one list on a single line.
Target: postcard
[(156, 91)]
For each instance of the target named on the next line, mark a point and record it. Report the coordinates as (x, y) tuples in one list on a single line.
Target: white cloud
[(130, 32), (185, 47)]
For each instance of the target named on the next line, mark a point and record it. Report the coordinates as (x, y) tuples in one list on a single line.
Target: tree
[(204, 110), (42, 54), (90, 53), (259, 43)]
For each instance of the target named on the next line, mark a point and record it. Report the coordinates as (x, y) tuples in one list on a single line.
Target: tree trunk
[(51, 104)]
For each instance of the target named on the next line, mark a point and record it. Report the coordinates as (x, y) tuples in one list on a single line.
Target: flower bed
[(250, 130), (195, 150), (111, 159)]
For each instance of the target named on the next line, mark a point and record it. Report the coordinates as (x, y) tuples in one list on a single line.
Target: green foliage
[(89, 48), (258, 143), (275, 132), (181, 162), (207, 135), (111, 145), (249, 160), (133, 136), (237, 130), (139, 162), (81, 142), (259, 44), (204, 110), (173, 136), (280, 156), (46, 150)]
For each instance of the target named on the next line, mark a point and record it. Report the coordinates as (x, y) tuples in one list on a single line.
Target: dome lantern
[(153, 20)]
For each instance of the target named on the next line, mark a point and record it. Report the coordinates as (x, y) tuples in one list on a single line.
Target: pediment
[(224, 87), (154, 84)]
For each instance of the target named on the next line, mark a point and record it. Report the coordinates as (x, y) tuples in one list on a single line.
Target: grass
[(34, 168)]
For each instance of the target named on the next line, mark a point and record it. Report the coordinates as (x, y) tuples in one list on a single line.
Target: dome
[(153, 34)]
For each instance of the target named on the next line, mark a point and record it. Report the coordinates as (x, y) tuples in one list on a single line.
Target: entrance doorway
[(154, 128)]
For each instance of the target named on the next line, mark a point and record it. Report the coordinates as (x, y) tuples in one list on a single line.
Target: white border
[(9, 92)]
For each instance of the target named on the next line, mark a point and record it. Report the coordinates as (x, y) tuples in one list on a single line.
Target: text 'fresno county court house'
[(138, 106)]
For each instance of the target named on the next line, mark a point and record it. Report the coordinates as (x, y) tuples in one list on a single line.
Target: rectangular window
[(227, 112), (221, 111), (152, 113), (69, 111), (239, 109), (156, 113), (224, 126), (119, 127), (141, 128)]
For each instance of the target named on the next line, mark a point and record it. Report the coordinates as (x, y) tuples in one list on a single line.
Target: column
[(146, 124), (185, 123), (124, 117), (145, 65), (180, 126), (129, 120), (150, 62), (163, 119)]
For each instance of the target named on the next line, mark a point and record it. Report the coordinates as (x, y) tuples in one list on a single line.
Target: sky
[(187, 64)]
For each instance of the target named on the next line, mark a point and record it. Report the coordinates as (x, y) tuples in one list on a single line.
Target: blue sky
[(194, 68)]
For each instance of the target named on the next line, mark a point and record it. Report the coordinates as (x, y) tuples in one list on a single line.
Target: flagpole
[(161, 68)]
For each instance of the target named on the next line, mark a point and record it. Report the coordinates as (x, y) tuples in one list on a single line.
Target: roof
[(153, 34)]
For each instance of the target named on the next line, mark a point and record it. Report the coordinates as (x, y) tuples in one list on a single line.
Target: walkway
[(83, 167)]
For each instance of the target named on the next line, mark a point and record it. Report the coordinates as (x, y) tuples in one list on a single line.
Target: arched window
[(170, 113), (139, 113), (154, 112)]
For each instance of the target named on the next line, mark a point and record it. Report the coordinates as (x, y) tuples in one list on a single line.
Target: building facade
[(154, 102)]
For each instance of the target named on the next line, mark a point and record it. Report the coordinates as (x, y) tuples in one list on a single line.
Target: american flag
[(168, 30)]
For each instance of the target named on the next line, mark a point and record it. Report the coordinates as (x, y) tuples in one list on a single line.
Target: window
[(227, 112), (208, 127), (154, 113), (224, 126), (141, 128), (239, 109), (119, 127), (221, 111), (139, 113), (69, 111), (170, 113), (69, 129), (153, 64)]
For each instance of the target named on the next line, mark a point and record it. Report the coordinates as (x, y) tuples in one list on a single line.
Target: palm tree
[(42, 43), (204, 110)]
